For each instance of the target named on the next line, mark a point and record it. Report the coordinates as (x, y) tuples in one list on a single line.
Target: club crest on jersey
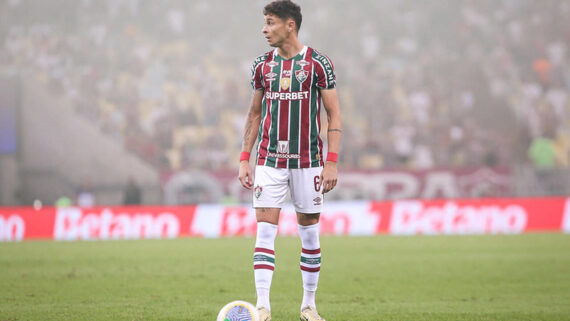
[(302, 63), (285, 83), (301, 75), (257, 191), (283, 147), (272, 63)]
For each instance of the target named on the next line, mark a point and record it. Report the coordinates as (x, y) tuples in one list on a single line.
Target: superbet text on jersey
[(290, 119)]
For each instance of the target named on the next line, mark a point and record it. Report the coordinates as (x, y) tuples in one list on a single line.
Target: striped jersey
[(288, 134)]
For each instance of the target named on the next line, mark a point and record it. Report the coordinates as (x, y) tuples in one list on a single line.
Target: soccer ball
[(238, 311)]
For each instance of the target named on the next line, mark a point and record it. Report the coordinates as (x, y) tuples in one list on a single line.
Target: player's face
[(275, 30)]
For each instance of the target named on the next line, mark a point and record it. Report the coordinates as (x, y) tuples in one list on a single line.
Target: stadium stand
[(423, 84)]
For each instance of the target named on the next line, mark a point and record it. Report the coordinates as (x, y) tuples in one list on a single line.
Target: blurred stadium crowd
[(423, 84)]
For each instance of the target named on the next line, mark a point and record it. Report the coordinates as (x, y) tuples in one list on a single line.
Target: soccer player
[(290, 83)]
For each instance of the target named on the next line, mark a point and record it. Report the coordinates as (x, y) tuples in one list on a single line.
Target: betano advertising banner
[(406, 217)]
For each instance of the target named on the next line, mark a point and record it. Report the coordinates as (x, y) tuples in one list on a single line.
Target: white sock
[(264, 262), (263, 298), (310, 262), (308, 299)]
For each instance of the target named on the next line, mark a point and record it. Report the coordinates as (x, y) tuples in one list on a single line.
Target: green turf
[(522, 277)]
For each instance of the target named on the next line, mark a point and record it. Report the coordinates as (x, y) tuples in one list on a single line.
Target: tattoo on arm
[(335, 130), (247, 131), (248, 126)]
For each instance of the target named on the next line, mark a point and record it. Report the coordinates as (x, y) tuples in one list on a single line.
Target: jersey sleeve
[(324, 69), (256, 72)]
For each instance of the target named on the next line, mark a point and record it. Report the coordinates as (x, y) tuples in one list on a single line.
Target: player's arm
[(329, 175), (250, 134)]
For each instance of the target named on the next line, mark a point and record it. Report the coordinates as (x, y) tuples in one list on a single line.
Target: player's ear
[(291, 25)]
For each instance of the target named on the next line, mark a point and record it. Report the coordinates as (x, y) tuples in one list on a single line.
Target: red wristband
[(244, 156), (332, 157)]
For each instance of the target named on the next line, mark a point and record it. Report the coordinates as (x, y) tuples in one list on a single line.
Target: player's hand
[(329, 177), (245, 176)]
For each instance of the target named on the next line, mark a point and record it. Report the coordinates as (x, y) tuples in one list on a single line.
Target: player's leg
[(310, 256), (269, 194), (308, 202), (264, 257)]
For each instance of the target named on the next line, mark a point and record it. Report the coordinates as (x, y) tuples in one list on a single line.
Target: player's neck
[(290, 49)]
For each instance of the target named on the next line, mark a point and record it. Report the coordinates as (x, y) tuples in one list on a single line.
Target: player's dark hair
[(285, 9)]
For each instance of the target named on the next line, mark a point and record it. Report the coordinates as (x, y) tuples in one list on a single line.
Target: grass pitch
[(519, 277)]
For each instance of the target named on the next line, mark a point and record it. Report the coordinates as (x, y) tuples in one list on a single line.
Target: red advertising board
[(406, 217), (484, 216)]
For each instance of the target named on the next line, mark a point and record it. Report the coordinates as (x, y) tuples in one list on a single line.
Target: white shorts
[(271, 185)]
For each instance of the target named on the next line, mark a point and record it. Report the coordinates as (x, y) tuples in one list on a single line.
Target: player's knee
[(308, 219)]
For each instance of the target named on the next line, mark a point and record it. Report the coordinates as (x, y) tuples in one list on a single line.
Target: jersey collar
[(302, 53)]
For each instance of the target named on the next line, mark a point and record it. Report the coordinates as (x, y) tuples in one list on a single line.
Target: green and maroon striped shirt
[(290, 118)]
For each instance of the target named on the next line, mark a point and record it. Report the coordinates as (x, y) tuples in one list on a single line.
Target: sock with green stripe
[(310, 262), (264, 262)]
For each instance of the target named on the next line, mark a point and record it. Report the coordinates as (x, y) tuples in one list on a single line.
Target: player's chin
[(273, 43)]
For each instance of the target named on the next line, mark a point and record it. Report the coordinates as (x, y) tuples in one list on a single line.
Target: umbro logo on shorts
[(317, 200)]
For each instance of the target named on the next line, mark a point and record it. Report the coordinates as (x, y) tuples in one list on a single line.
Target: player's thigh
[(304, 183), (270, 187)]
